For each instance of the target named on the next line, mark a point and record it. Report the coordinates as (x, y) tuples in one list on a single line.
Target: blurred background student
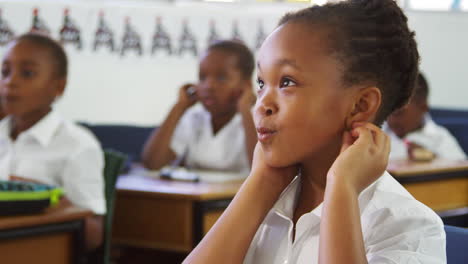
[(36, 143), (413, 132), (210, 126)]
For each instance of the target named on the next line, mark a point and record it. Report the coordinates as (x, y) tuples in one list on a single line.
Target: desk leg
[(202, 209)]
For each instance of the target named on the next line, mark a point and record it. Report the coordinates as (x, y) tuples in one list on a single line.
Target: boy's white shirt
[(194, 138), (56, 152), (435, 138), (396, 229)]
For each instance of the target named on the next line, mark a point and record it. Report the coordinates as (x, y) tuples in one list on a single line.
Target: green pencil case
[(18, 197)]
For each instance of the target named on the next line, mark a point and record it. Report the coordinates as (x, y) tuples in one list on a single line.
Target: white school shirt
[(396, 229), (431, 136), (226, 150), (56, 152)]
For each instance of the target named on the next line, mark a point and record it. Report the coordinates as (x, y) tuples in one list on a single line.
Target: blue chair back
[(457, 245)]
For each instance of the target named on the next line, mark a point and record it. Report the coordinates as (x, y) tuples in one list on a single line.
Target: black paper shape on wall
[(6, 34), (130, 40), (261, 35), (161, 39), (38, 25), (103, 35), (187, 41), (213, 34), (236, 35), (70, 33)]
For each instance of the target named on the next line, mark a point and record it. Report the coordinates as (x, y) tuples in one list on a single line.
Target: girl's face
[(220, 82), (28, 81), (302, 105)]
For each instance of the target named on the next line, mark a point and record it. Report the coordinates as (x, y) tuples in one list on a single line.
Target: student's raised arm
[(157, 151), (244, 107), (229, 239), (363, 158)]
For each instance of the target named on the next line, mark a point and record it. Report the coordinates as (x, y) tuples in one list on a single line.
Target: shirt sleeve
[(410, 234), (83, 180), (181, 137), (449, 147)]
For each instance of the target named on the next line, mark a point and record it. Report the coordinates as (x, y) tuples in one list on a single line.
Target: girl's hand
[(276, 178), (362, 159), (187, 95)]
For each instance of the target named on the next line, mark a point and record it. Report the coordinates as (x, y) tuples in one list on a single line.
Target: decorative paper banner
[(88, 28)]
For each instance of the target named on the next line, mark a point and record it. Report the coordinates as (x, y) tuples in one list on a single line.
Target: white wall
[(443, 45), (105, 87)]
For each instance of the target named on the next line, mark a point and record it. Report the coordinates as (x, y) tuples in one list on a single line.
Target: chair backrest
[(127, 139), (457, 245), (114, 163)]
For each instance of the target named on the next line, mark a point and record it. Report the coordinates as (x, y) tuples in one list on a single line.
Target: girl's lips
[(265, 134), (208, 100)]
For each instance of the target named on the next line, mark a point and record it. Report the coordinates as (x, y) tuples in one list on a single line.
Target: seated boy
[(412, 128), (36, 143), (217, 133)]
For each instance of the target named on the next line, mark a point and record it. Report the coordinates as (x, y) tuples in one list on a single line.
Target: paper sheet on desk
[(205, 175)]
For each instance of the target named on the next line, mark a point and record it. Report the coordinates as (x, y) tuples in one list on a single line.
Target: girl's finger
[(362, 134), (347, 141)]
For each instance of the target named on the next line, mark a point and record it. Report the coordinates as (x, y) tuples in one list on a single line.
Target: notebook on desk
[(181, 173)]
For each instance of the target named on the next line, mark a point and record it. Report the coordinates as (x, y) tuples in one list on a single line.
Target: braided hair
[(372, 40)]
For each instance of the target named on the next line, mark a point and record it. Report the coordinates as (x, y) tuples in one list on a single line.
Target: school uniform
[(194, 140), (396, 229), (56, 152), (431, 136)]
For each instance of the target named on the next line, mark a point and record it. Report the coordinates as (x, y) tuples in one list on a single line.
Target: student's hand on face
[(246, 100), (362, 159), (278, 177), (185, 100)]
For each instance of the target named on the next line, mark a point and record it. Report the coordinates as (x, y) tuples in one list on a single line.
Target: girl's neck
[(314, 179), (219, 121), (22, 123)]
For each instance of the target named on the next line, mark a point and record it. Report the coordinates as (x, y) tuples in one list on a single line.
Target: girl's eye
[(285, 82), (5, 72), (28, 73), (221, 77), (260, 84)]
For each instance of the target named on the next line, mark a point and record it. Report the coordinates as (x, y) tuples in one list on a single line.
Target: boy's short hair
[(57, 53), (245, 58), (372, 40), (421, 91)]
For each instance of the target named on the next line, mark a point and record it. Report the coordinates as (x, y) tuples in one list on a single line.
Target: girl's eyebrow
[(282, 63)]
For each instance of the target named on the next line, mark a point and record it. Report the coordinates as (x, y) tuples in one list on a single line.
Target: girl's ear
[(365, 106)]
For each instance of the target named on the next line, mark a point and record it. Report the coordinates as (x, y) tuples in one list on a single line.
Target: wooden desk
[(440, 184), (53, 237), (167, 215)]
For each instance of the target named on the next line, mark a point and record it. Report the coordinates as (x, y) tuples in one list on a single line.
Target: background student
[(36, 143), (411, 127), (212, 128)]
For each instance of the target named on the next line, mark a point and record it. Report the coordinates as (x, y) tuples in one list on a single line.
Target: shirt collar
[(287, 202), (42, 131)]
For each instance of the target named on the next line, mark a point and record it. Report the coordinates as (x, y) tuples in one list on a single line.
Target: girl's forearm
[(229, 239), (341, 239)]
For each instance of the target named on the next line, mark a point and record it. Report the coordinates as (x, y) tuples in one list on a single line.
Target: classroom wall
[(106, 87)]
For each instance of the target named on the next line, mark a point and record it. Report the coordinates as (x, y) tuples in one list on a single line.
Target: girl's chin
[(277, 161)]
